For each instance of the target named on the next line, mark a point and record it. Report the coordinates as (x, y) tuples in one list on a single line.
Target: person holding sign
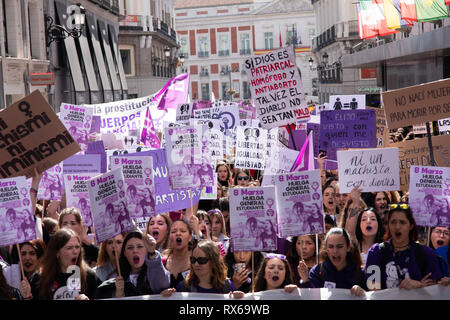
[(141, 269), (106, 267), (64, 253), (401, 262), (341, 267), (207, 274), (303, 250), (274, 273)]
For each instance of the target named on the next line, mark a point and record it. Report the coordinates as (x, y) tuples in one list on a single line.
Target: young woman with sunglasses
[(400, 261), (208, 273), (242, 178)]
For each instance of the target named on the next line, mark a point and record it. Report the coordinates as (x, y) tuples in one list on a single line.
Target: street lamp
[(325, 58), (55, 32), (181, 58), (167, 52)]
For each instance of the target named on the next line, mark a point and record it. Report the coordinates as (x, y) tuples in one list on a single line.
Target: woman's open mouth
[(398, 235), (155, 234), (275, 278), (27, 265), (136, 260), (178, 240), (74, 260), (369, 228), (336, 259), (440, 243)]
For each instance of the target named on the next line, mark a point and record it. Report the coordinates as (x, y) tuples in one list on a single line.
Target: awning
[(118, 59), (98, 54), (109, 58), (89, 67)]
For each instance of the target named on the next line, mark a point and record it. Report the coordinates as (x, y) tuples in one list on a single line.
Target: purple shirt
[(402, 265)]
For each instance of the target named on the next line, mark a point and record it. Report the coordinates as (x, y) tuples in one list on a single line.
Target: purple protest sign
[(82, 163), (96, 124), (315, 128), (166, 198), (97, 147), (299, 203), (253, 219), (109, 205), (342, 129), (298, 137), (78, 120), (202, 104), (429, 195), (148, 135), (16, 216), (52, 185), (77, 194), (138, 174)]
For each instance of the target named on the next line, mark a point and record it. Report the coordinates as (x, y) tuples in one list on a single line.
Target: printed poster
[(78, 120), (251, 148), (51, 186), (253, 219), (299, 203), (77, 194)]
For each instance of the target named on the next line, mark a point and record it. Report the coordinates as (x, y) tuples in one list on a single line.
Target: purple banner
[(97, 147), (343, 129), (82, 163)]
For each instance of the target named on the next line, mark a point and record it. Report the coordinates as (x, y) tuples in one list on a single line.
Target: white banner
[(251, 148)]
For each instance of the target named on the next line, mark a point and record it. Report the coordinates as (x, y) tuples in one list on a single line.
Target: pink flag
[(174, 92), (148, 135), (305, 159)]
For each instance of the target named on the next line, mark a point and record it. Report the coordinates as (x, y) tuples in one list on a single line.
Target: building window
[(203, 46), (224, 45), (246, 90), (205, 91), (268, 40), (245, 43), (184, 47), (127, 55)]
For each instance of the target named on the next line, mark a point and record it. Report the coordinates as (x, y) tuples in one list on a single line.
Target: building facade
[(217, 36), (147, 31)]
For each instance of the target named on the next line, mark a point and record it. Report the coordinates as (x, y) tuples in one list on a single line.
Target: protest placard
[(228, 117), (139, 183), (253, 219), (371, 170), (210, 193), (416, 152), (347, 129), (97, 147), (299, 203), (167, 199), (184, 112), (346, 102), (417, 104), (190, 164), (78, 120), (276, 88), (16, 215), (382, 130), (429, 195), (83, 163), (51, 186), (444, 126), (202, 113), (109, 205), (77, 194), (32, 136), (251, 148)]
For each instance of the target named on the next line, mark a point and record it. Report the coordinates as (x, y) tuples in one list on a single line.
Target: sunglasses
[(200, 260), (243, 178), (275, 255), (402, 206)]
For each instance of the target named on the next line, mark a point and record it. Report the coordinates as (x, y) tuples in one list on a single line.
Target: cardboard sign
[(429, 196), (347, 102), (416, 152), (417, 104), (382, 130), (251, 144), (32, 136), (77, 194), (299, 203), (140, 187), (276, 88), (16, 216), (371, 170), (253, 224), (108, 205), (444, 126), (78, 120), (347, 129)]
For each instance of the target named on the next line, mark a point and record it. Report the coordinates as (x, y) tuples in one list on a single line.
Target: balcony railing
[(203, 54), (162, 27), (204, 73), (223, 53)]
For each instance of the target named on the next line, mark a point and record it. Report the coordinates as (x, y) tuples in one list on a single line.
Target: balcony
[(133, 22), (163, 28), (244, 52), (223, 53), (204, 73), (203, 54), (330, 75), (111, 5)]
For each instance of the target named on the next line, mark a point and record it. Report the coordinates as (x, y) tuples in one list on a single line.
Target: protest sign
[(32, 136), (140, 187), (82, 163), (429, 195), (108, 205), (51, 186), (190, 165), (346, 102), (382, 130), (347, 129), (416, 152), (77, 194), (253, 224), (251, 145), (16, 215), (120, 116), (184, 112), (210, 193), (276, 88), (227, 116), (371, 170), (420, 129), (299, 203), (417, 104), (167, 199), (202, 113), (444, 126), (78, 120), (97, 147)]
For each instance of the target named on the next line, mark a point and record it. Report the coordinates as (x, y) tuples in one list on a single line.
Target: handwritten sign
[(382, 130), (444, 126), (251, 144), (371, 170), (276, 88), (347, 129), (184, 113), (299, 203), (429, 195), (32, 136), (417, 104)]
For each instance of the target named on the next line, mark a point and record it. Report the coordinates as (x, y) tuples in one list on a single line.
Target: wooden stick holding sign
[(20, 259), (117, 253), (253, 272)]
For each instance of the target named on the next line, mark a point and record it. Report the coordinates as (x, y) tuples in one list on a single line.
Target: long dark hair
[(380, 231), (353, 256), (292, 254), (414, 233), (261, 283), (5, 292), (125, 267)]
